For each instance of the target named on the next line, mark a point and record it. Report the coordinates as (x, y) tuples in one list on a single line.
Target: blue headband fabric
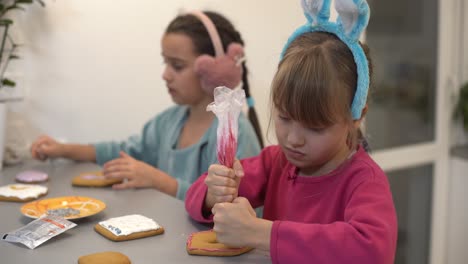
[(250, 102), (352, 20)]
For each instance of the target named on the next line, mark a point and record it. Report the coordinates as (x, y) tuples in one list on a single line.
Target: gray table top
[(83, 240)]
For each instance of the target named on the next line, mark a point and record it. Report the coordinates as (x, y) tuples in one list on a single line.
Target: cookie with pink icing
[(204, 243), (93, 179), (31, 176), (21, 192)]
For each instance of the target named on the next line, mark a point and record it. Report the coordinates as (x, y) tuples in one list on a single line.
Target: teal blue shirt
[(157, 146)]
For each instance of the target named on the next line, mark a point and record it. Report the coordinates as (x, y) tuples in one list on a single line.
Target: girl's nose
[(295, 137), (166, 75)]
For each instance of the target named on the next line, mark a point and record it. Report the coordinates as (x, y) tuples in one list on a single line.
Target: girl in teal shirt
[(179, 144)]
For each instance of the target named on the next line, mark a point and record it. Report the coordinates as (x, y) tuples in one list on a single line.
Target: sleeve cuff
[(274, 241), (100, 149), (182, 187)]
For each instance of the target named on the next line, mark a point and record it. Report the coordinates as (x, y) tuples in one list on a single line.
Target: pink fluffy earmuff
[(225, 69)]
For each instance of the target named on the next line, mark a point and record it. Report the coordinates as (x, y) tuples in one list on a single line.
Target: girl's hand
[(136, 173), (234, 223), (223, 183), (46, 147)]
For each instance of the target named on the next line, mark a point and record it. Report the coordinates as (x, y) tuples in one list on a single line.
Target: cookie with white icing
[(21, 192), (31, 176), (93, 179), (128, 227), (204, 243)]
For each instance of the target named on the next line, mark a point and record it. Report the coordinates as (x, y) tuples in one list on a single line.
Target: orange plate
[(86, 205)]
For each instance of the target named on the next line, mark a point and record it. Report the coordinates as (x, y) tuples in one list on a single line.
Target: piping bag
[(227, 106)]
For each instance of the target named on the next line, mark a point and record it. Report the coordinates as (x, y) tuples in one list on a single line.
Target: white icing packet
[(39, 231)]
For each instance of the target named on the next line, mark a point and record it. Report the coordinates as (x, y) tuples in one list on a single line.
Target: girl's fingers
[(238, 169), (35, 147), (41, 156), (217, 207), (217, 180), (123, 185), (245, 203), (115, 162), (224, 198), (113, 175), (221, 170), (37, 152), (223, 191), (117, 172), (124, 155)]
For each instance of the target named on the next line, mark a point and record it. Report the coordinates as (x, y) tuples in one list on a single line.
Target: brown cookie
[(104, 258), (204, 243), (93, 179), (21, 192), (128, 228)]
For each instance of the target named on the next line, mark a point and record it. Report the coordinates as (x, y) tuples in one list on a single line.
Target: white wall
[(91, 69)]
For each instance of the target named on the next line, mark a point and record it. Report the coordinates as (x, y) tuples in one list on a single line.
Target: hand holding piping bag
[(223, 184)]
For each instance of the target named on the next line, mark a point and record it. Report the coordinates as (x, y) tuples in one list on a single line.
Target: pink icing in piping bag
[(227, 147)]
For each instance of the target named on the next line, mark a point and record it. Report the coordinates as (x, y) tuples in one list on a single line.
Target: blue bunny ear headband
[(352, 20)]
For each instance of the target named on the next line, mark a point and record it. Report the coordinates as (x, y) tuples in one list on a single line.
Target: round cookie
[(204, 243), (128, 227), (104, 257), (21, 192), (93, 179), (31, 176)]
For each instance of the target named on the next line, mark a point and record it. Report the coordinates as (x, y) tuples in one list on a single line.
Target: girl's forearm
[(164, 182), (261, 234), (79, 152)]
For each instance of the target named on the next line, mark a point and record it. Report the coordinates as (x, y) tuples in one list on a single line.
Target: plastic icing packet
[(227, 106), (39, 231)]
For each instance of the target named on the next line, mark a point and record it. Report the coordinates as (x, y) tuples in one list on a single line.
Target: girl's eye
[(177, 66), (283, 118), (317, 129)]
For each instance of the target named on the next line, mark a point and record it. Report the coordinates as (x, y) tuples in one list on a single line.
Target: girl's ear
[(353, 17), (357, 122), (224, 70)]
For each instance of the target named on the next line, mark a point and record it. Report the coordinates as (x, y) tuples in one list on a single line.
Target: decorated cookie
[(21, 192), (104, 257), (128, 227), (93, 179), (31, 176), (204, 243)]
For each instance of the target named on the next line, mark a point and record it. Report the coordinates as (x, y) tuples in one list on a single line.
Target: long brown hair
[(192, 27), (316, 81)]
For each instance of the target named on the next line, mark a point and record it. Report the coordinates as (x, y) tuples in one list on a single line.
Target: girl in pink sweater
[(325, 200)]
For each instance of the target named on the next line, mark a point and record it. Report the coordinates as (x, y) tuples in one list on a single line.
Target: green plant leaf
[(42, 3), (13, 7), (8, 82), (24, 1), (5, 21), (461, 107)]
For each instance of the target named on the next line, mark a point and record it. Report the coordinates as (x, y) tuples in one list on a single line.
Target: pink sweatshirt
[(345, 216)]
